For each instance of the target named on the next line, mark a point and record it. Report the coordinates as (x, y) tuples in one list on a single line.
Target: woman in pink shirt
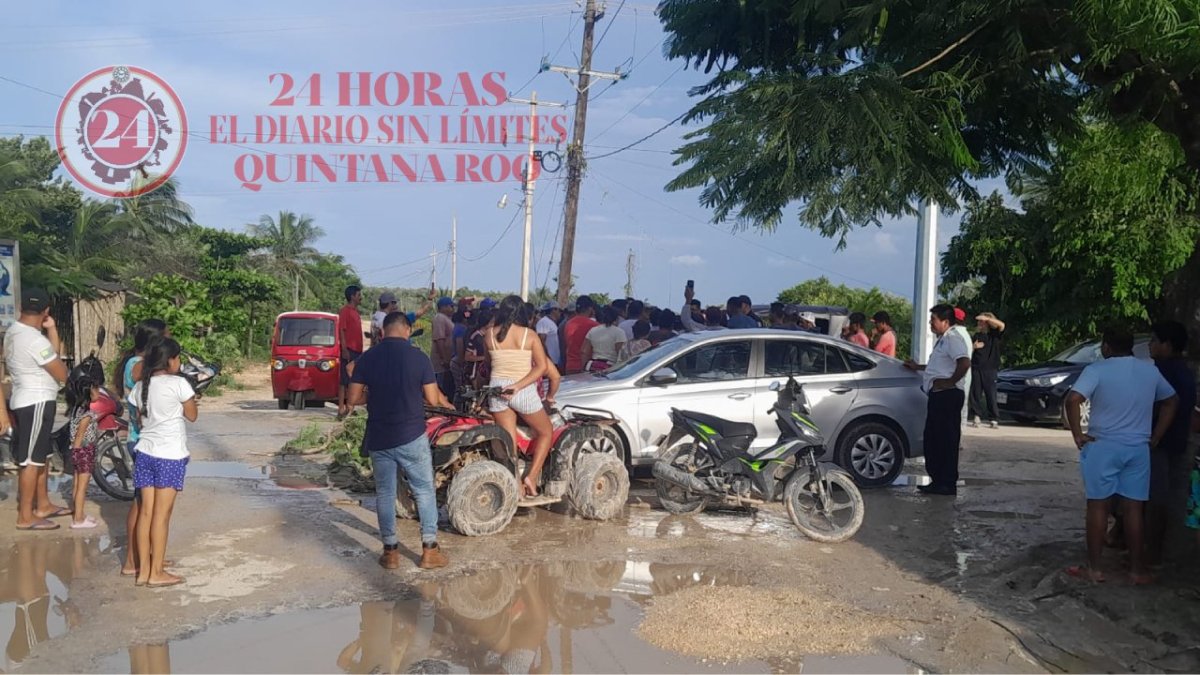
[(885, 337), (857, 334)]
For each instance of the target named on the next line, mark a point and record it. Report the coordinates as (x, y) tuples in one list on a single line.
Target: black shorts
[(346, 365), (32, 428)]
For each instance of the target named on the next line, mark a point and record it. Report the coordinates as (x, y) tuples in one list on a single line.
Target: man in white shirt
[(547, 330), (37, 372), (948, 364), (387, 305), (636, 312)]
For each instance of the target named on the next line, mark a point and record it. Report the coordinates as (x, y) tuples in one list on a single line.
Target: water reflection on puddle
[(555, 617), (35, 580), (228, 470)]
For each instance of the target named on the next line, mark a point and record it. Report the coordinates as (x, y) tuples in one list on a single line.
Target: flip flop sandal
[(176, 582), (61, 512), (40, 525)]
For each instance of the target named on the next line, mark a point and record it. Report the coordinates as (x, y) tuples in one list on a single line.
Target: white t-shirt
[(547, 327), (943, 360), (627, 326), (26, 350), (377, 319), (604, 341), (163, 433)]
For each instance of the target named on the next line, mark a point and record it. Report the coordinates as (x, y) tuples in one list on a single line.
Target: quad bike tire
[(592, 577), (481, 595), (482, 498), (674, 498), (406, 506), (799, 497), (599, 486)]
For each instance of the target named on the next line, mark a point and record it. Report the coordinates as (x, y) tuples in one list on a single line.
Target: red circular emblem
[(121, 131)]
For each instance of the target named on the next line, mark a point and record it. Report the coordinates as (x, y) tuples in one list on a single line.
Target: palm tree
[(289, 239), (90, 251), (159, 211)]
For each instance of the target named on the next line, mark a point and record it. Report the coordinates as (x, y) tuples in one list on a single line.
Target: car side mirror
[(663, 377), (775, 386)]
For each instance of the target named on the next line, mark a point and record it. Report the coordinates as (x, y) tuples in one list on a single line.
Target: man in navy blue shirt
[(396, 381)]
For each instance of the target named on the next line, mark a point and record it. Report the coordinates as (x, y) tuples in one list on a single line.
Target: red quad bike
[(477, 469)]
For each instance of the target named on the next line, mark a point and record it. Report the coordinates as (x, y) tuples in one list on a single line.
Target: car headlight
[(1046, 380), (277, 364), (449, 438), (327, 365)]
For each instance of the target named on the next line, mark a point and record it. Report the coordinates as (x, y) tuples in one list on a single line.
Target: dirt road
[(285, 579)]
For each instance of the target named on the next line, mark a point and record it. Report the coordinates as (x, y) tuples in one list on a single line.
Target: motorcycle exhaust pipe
[(664, 471)]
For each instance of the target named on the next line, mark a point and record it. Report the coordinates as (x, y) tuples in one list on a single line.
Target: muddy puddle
[(571, 617), (268, 475), (36, 574)]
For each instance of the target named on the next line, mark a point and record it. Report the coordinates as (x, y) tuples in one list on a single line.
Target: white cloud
[(687, 260), (885, 243)]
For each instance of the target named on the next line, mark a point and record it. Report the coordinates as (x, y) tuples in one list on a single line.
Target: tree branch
[(957, 43)]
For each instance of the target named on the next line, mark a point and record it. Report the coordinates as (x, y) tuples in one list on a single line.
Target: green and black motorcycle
[(707, 459)]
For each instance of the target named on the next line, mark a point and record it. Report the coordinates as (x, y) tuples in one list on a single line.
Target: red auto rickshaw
[(305, 355)]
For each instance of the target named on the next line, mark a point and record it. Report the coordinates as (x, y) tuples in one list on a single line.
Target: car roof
[(790, 308), (306, 315), (743, 333)]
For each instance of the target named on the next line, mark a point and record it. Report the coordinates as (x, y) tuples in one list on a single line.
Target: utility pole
[(433, 269), (925, 280), (529, 183), (630, 268), (584, 75), (453, 254)]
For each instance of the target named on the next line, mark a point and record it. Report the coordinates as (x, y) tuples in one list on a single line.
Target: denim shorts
[(156, 472), (1116, 469)]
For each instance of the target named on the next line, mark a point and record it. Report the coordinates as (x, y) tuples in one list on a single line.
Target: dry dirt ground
[(281, 579)]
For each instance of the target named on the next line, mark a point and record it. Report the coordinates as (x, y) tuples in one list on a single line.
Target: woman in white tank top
[(518, 364)]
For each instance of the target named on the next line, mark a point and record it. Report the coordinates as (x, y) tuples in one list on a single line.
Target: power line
[(516, 212), (549, 219), (610, 24), (636, 105), (639, 141)]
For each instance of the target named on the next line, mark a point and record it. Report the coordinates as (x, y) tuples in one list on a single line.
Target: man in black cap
[(37, 372)]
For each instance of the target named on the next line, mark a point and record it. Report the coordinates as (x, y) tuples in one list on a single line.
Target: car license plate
[(1001, 397), (303, 363)]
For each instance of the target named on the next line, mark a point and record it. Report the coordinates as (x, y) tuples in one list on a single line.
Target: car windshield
[(312, 332), (1088, 352), (635, 365)]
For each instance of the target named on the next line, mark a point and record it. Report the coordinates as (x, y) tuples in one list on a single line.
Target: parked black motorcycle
[(717, 464)]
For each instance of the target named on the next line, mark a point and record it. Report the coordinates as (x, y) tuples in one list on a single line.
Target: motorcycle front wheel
[(824, 504), (113, 470)]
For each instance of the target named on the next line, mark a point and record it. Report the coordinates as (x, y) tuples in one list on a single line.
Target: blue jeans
[(416, 460)]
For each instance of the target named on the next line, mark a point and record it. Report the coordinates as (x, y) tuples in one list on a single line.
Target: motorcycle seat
[(725, 428)]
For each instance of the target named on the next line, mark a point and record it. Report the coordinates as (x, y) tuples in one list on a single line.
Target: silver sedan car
[(869, 407)]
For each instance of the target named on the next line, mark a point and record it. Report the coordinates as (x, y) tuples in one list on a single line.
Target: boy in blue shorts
[(1115, 452)]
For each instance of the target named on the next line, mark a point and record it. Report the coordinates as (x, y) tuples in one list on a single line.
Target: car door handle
[(739, 396), (840, 389)]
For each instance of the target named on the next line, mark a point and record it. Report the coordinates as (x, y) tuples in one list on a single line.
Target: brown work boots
[(432, 558)]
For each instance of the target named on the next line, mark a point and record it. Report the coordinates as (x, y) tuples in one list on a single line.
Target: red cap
[(959, 314)]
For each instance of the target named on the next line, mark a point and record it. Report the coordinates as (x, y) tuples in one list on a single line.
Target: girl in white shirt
[(603, 343), (164, 400)]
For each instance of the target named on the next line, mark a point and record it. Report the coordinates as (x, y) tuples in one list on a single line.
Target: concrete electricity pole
[(453, 254), (530, 179), (584, 75), (925, 281)]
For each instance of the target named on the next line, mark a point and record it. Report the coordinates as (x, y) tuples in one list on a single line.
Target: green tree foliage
[(1094, 238), (185, 305), (290, 249), (857, 108), (822, 291)]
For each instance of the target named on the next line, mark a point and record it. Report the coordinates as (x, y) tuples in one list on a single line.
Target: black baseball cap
[(34, 300)]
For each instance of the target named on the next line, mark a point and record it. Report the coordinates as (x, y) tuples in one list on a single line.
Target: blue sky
[(218, 57)]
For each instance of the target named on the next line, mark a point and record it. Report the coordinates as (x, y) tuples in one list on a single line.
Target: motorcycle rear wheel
[(832, 517), (112, 471), (675, 499)]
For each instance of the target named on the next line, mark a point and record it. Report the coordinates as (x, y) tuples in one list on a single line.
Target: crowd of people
[(160, 402)]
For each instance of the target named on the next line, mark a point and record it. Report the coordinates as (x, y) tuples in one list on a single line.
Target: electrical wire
[(498, 240), (609, 25), (549, 219), (639, 103), (639, 141)]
